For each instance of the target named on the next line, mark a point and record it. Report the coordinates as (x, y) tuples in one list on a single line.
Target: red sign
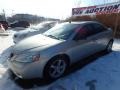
[(95, 10)]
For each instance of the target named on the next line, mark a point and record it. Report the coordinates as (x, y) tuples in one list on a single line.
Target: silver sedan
[(51, 53)]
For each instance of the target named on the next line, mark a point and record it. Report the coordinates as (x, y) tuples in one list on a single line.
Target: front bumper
[(26, 70)]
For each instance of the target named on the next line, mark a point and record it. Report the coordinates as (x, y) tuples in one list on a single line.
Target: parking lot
[(101, 74)]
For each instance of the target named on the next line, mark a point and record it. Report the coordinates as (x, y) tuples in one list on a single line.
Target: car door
[(84, 44), (101, 36)]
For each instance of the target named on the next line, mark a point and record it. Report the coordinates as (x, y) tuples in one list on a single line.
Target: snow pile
[(5, 48), (116, 45), (5, 42), (4, 56), (7, 84)]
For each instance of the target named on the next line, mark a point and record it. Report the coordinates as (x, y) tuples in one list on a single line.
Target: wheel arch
[(67, 58)]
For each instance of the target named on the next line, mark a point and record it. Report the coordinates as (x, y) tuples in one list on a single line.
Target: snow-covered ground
[(102, 74)]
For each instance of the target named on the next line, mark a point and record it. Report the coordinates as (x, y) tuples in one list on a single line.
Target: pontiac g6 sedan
[(50, 54)]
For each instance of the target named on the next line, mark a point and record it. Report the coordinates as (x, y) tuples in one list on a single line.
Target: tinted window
[(84, 32), (98, 28), (90, 30)]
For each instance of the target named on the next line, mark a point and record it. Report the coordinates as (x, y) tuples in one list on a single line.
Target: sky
[(49, 8)]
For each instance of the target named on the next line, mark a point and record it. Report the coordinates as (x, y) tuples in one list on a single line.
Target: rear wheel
[(55, 68), (109, 46)]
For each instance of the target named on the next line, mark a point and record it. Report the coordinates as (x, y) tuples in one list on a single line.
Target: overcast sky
[(49, 8)]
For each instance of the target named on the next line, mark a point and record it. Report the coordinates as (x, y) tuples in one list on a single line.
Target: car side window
[(84, 32), (98, 28), (90, 30)]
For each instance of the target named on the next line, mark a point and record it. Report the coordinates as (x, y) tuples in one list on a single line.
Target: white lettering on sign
[(96, 10)]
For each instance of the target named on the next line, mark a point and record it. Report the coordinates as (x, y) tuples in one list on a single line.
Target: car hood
[(37, 41)]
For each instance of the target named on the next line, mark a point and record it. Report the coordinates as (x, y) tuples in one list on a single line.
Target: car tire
[(109, 46), (55, 68)]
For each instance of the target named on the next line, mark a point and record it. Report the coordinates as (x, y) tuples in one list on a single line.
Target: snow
[(102, 74)]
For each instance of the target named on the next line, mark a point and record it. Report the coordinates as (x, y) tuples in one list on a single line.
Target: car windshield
[(61, 31)]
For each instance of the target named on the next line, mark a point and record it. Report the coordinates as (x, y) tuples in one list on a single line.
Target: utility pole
[(116, 21), (4, 15)]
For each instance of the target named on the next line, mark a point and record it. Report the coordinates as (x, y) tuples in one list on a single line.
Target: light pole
[(4, 15), (116, 21)]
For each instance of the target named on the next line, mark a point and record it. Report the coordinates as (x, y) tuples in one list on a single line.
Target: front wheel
[(55, 68)]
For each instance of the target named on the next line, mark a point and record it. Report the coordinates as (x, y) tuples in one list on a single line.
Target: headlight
[(36, 57), (28, 57), (33, 57)]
